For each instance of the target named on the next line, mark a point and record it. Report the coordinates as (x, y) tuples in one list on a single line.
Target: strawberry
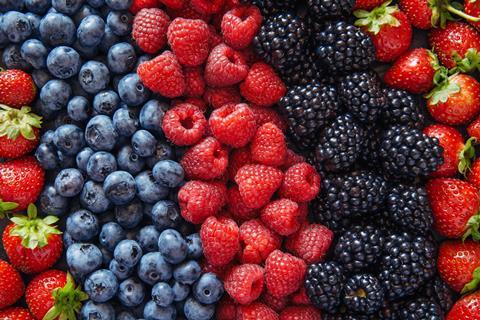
[(466, 308), (19, 131), (52, 294), (17, 88), (473, 174), (32, 244), (389, 29), (11, 285), (473, 129), (367, 4), (472, 8), (16, 313), (455, 204), (21, 181)]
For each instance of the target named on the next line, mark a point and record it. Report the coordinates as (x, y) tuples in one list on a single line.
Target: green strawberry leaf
[(442, 92), (467, 156), (14, 122), (378, 17), (472, 285), (6, 207), (473, 228), (469, 63), (68, 301)]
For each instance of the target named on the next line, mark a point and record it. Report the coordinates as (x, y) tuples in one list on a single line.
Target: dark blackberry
[(403, 109), (272, 7), (341, 144), (407, 264), (363, 293), (307, 109), (305, 72), (324, 285), (369, 155), (408, 153), (422, 309), (358, 248), (409, 208), (344, 48), (282, 40), (328, 9), (438, 291), (344, 315), (362, 95)]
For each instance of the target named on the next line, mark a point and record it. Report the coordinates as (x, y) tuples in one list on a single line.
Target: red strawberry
[(53, 295), (473, 175), (32, 244), (11, 285), (466, 308), (472, 8), (17, 88), (16, 313), (389, 29), (474, 129), (138, 5), (367, 4)]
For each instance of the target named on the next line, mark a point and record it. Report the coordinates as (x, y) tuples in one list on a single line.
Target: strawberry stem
[(472, 285), (443, 87), (378, 17), (461, 14), (467, 156), (469, 63), (14, 122), (68, 301), (473, 228)]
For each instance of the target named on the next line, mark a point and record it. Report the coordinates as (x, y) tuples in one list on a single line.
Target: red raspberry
[(277, 304), (292, 158), (268, 145), (301, 183), (226, 309), (257, 242), (207, 6), (189, 40), (187, 12), (300, 313), (184, 124), (199, 200), (138, 5), (311, 242), (257, 183), (264, 115), (150, 29), (282, 216), (250, 56), (300, 297), (206, 160), (283, 273), (225, 67), (262, 85), (237, 208), (256, 311), (173, 4), (244, 283), (233, 125), (220, 240), (238, 158), (240, 25), (215, 38), (163, 75), (195, 84), (218, 97), (220, 271), (197, 102)]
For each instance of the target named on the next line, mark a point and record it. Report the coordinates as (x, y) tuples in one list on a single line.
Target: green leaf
[(467, 156), (473, 228), (443, 92), (6, 207), (378, 17), (68, 300), (472, 285), (14, 122), (470, 62)]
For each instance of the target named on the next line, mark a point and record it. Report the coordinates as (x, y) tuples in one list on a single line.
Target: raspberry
[(240, 25), (218, 97), (250, 56), (199, 200), (206, 160), (238, 158), (244, 283), (189, 40), (207, 6), (187, 12), (226, 309), (194, 82), (264, 115), (173, 4), (225, 67), (256, 311), (311, 242), (233, 125), (300, 297), (281, 216), (138, 5), (262, 85), (220, 240), (150, 28), (300, 313), (236, 206), (257, 183), (215, 38), (277, 304), (301, 183), (197, 102), (163, 75), (220, 271), (268, 145), (184, 124), (291, 159), (283, 273), (257, 242)]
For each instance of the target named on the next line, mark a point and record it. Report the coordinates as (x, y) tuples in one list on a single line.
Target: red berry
[(237, 208), (197, 102), (262, 85), (138, 5), (264, 115), (187, 12), (194, 82), (15, 313), (220, 240), (11, 285), (238, 158), (257, 242), (218, 97), (173, 4), (206, 160), (474, 129), (282, 216), (276, 303), (300, 297), (291, 159), (225, 67), (184, 124), (300, 313), (268, 145), (256, 311), (150, 29), (207, 6), (226, 309), (199, 200), (301, 183), (283, 273), (240, 25), (244, 283), (473, 175), (311, 242), (220, 271), (17, 88)]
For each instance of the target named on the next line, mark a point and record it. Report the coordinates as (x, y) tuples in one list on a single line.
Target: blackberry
[(282, 40), (324, 285), (344, 48), (307, 109), (343, 315), (409, 208), (358, 248), (408, 153), (407, 264), (328, 9), (341, 143), (422, 309), (403, 109), (362, 95), (369, 155), (303, 73), (272, 7), (438, 291), (363, 293)]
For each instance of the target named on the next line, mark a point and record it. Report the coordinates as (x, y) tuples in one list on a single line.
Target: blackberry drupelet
[(369, 155), (407, 264), (408, 153), (306, 71), (363, 294), (324, 285), (271, 7), (344, 48), (341, 144), (422, 309), (362, 95), (336, 221), (344, 315), (358, 248), (438, 291), (328, 9), (307, 109), (409, 208), (403, 109), (282, 40)]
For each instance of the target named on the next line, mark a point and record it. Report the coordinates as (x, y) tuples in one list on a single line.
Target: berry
[(264, 115), (16, 313), (90, 31), (17, 88), (206, 160), (218, 97), (153, 268), (93, 76), (138, 5), (402, 108), (301, 183), (220, 240), (268, 146), (282, 216), (132, 91), (150, 29), (439, 292), (131, 292), (300, 313), (262, 86), (465, 308), (127, 253), (83, 258), (199, 200), (257, 242), (207, 6), (225, 67), (173, 4), (184, 124), (244, 283), (172, 246), (194, 81), (324, 285), (236, 206), (238, 158), (240, 25), (311, 242), (208, 289), (473, 175), (363, 294), (283, 273), (277, 304), (11, 285), (256, 311)]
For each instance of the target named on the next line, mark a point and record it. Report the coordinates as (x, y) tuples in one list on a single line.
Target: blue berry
[(107, 256), (120, 22), (119, 270), (195, 249), (172, 246), (12, 58), (168, 173), (69, 139), (109, 40), (162, 294), (34, 20), (16, 26), (68, 240), (82, 225), (65, 161), (47, 137), (147, 237), (119, 4), (148, 190), (142, 59), (101, 285), (93, 198), (100, 133), (106, 102), (194, 310), (111, 235), (143, 143), (63, 62), (188, 272), (38, 6), (94, 76), (153, 268), (100, 165), (125, 315), (90, 31), (153, 312), (208, 289), (82, 158), (46, 155), (85, 52), (57, 29), (151, 115), (125, 121), (55, 94), (130, 161), (128, 253), (78, 108), (97, 311), (41, 77), (180, 291), (35, 53), (166, 214), (121, 58), (68, 7), (84, 11), (69, 182), (132, 91), (131, 292), (83, 258), (119, 187), (50, 202), (163, 151), (129, 216), (96, 3), (6, 5)]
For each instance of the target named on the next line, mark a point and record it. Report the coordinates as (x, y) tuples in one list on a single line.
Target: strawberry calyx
[(444, 87), (473, 228), (378, 17), (68, 301), (472, 285), (467, 156), (14, 122), (470, 62), (6, 207), (443, 11), (33, 231)]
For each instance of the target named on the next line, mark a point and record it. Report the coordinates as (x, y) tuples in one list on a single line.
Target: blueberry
[(153, 312), (128, 253), (69, 139), (188, 272), (34, 52), (94, 76), (78, 108), (163, 151), (84, 11), (55, 94), (12, 58), (47, 137), (119, 4), (125, 315), (100, 133), (51, 203), (180, 291), (68, 240), (3, 37), (132, 91), (82, 225), (109, 40), (6, 5), (93, 198), (162, 294), (41, 77), (85, 52), (208, 289), (111, 235), (151, 115), (147, 237), (119, 187), (101, 285), (143, 143), (57, 29), (97, 311), (131, 292), (46, 155), (90, 31), (168, 173), (148, 190), (166, 214), (172, 246), (38, 6), (121, 58), (68, 7), (147, 209), (194, 310), (96, 3), (125, 121), (82, 158), (142, 59), (63, 62), (119, 270), (83, 258), (120, 22), (130, 215), (195, 249), (107, 256), (153, 268), (100, 165), (34, 20), (106, 102), (69, 182), (65, 161), (16, 26)]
